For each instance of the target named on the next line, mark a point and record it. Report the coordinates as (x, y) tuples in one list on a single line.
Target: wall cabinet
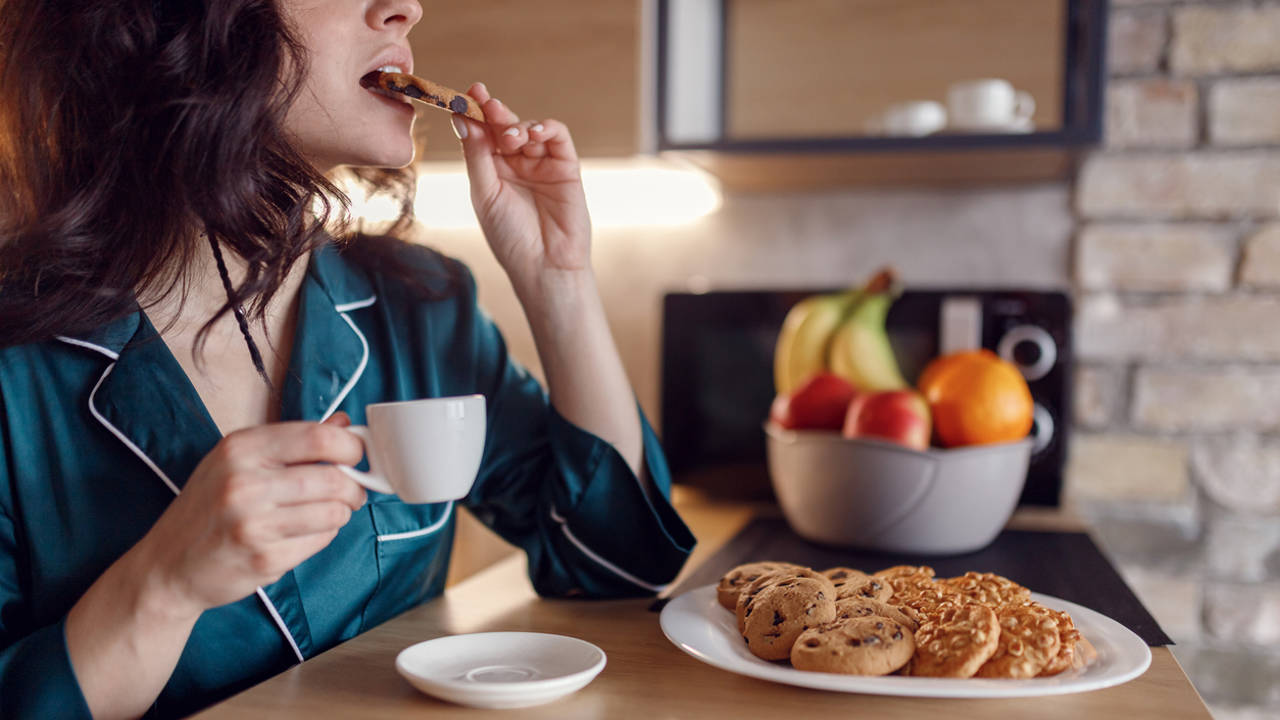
[(577, 61), (782, 94)]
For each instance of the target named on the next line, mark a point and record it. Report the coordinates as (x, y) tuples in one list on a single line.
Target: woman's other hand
[(526, 186), (257, 505)]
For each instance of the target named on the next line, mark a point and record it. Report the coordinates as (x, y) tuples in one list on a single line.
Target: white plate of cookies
[(901, 631)]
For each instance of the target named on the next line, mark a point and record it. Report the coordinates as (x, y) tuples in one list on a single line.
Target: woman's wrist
[(551, 294), (125, 635), (158, 596)]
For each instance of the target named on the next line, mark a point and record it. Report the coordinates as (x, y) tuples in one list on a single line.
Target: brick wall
[(1177, 270)]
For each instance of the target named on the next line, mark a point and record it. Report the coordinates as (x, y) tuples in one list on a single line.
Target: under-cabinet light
[(620, 193)]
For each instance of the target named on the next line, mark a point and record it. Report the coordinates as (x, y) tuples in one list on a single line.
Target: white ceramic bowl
[(500, 669), (882, 496)]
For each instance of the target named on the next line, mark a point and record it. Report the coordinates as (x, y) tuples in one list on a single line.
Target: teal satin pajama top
[(99, 432)]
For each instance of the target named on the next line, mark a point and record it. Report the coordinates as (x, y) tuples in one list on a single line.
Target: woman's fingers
[(498, 115), (479, 92), (271, 563), (538, 139), (554, 138), (340, 418), (291, 443), (477, 149), (302, 484), (532, 138), (300, 520)]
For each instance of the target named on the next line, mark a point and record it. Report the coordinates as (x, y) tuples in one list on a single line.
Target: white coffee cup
[(916, 118), (989, 104), (424, 451)]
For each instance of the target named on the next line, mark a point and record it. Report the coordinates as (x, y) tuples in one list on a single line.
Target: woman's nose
[(395, 12)]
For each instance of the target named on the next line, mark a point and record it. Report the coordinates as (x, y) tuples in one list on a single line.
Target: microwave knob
[(1042, 429), (1031, 349)]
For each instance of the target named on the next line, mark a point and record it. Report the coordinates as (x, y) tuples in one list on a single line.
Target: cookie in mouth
[(424, 91)]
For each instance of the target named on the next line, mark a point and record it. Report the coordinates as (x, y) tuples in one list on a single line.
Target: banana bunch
[(843, 333)]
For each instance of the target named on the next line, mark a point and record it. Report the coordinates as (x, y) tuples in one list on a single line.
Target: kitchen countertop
[(646, 676)]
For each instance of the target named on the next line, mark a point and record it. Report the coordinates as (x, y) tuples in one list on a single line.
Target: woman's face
[(334, 121)]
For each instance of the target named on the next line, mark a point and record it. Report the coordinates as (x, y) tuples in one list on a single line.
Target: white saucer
[(500, 669)]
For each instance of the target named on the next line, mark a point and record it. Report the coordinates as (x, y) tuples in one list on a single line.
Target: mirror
[(774, 73)]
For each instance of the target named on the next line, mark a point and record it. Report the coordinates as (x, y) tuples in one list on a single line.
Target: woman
[(182, 345)]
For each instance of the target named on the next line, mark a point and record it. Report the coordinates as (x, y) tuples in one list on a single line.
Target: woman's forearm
[(125, 637), (585, 376)]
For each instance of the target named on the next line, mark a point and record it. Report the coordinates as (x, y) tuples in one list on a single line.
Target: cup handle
[(1025, 106), (371, 480)]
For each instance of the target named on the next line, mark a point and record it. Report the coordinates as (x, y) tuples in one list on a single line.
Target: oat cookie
[(1085, 654), (907, 580), (785, 576), (988, 589), (1029, 640), (914, 572), (855, 607), (858, 646), (923, 595), (1068, 636), (732, 582), (957, 642), (779, 613)]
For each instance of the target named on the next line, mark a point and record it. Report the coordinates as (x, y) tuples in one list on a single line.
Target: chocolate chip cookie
[(856, 607), (784, 577), (777, 615), (732, 582), (859, 646)]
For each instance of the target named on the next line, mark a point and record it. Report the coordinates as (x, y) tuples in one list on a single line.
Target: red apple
[(780, 412), (819, 404), (900, 416)]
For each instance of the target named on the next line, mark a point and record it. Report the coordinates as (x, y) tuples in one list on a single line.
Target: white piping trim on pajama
[(424, 531), (284, 629), (271, 609), (91, 346), (121, 436), (564, 526), (364, 358), (348, 307)]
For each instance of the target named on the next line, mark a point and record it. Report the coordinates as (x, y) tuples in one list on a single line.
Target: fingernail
[(483, 87), (537, 128), (512, 131), (459, 127)]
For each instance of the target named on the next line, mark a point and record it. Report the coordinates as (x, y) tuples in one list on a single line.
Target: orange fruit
[(977, 399), (943, 364)]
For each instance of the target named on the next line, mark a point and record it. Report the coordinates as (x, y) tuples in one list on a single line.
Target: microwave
[(717, 373)]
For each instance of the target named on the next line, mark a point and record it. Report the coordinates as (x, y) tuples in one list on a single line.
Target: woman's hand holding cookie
[(526, 186)]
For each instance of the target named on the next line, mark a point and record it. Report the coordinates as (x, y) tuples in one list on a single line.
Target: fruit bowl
[(879, 495)]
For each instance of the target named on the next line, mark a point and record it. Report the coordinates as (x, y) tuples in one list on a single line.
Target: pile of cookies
[(898, 620)]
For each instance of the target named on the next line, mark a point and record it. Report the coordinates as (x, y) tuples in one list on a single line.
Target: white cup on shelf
[(915, 118), (989, 105)]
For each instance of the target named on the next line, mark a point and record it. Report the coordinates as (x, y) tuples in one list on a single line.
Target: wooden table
[(646, 677)]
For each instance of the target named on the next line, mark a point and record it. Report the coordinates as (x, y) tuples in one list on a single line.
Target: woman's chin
[(397, 158)]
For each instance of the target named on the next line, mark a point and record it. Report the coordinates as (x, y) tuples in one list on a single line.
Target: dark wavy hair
[(133, 130)]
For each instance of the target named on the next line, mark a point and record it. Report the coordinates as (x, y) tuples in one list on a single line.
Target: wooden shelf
[(785, 171)]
